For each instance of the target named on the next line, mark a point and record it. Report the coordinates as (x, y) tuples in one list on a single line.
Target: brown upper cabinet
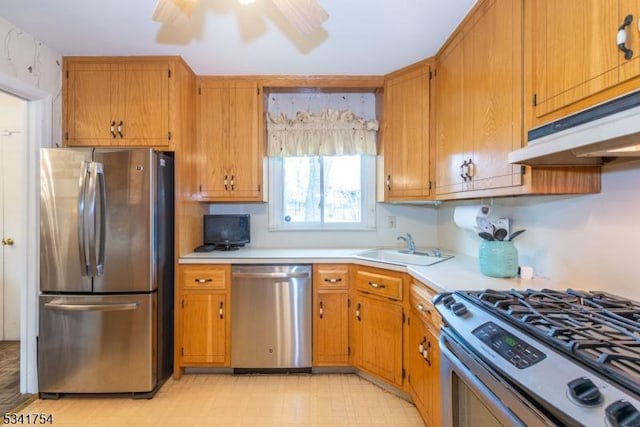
[(575, 59), (478, 112), (405, 137), (230, 139), (478, 101), (122, 101)]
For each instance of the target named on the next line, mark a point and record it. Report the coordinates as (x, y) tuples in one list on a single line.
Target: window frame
[(368, 199)]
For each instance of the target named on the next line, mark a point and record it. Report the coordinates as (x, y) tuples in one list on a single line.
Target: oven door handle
[(498, 408)]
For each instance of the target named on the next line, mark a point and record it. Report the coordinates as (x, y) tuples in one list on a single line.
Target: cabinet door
[(492, 94), (449, 118), (212, 135), (143, 103), (331, 331), (245, 150), (417, 369), (406, 134), (204, 328), (378, 338), (424, 368), (89, 95), (630, 68), (574, 54)]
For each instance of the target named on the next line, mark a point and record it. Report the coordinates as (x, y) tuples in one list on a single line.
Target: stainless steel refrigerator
[(106, 271)]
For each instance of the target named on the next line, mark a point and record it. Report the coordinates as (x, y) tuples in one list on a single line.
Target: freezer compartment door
[(129, 190), (97, 344), (63, 252)]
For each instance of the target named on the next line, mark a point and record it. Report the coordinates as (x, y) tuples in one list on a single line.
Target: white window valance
[(326, 133)]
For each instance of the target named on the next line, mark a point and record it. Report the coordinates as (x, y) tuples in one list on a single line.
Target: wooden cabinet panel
[(379, 282), (144, 104), (377, 328), (331, 276), (118, 102), (406, 133), (202, 320), (198, 277), (331, 330), (230, 140), (478, 101), (331, 315), (575, 53), (423, 337), (574, 60), (493, 95), (204, 328), (450, 149)]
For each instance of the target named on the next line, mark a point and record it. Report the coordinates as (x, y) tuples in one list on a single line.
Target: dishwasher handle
[(272, 275)]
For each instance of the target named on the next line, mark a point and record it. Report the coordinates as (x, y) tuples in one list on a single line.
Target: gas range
[(574, 355)]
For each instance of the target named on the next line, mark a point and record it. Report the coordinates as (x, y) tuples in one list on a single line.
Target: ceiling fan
[(304, 15)]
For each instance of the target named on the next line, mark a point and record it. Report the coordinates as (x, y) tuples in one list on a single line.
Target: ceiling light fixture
[(246, 1)]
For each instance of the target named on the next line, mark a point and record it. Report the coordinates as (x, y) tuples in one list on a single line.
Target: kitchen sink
[(403, 257)]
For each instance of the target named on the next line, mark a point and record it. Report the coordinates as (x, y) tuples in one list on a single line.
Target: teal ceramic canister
[(498, 258)]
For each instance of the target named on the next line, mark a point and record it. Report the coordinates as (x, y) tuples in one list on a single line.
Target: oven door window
[(468, 409)]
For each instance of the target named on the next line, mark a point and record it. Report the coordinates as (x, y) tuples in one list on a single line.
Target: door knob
[(8, 241)]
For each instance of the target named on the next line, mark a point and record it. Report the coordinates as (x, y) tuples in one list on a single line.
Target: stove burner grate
[(597, 329)]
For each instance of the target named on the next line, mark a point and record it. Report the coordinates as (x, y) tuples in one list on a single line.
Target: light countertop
[(458, 273)]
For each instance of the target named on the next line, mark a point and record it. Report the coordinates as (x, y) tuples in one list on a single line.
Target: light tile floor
[(242, 400)]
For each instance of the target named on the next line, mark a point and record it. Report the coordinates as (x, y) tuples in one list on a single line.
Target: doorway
[(13, 254)]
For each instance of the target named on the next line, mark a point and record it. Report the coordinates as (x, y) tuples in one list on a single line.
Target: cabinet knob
[(226, 183), (464, 171), (333, 280), (388, 182), (358, 312), (203, 280), (321, 309), (221, 310), (8, 241), (113, 129), (120, 125)]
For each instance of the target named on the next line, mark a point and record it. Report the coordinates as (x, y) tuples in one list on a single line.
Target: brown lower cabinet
[(424, 367), (202, 308), (331, 315), (377, 323)]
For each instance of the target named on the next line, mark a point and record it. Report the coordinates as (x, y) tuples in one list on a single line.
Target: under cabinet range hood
[(609, 130)]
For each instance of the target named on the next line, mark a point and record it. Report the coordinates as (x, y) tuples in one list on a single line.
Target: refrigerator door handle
[(92, 307), (82, 223), (95, 169), (103, 218)]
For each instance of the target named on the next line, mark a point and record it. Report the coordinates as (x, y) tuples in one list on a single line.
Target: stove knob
[(623, 414), (448, 301), (584, 391), (459, 309)]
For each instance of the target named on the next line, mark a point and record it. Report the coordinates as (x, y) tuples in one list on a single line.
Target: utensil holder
[(498, 259)]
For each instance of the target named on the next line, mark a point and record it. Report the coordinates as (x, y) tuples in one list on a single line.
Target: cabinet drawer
[(204, 277), (420, 300), (332, 276), (379, 284)]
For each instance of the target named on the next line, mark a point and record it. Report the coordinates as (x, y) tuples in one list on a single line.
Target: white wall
[(420, 221), (32, 63), (589, 242)]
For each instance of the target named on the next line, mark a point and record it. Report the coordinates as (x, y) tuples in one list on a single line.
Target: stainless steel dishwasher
[(271, 318)]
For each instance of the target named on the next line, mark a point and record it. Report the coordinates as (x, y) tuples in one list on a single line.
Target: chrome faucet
[(411, 246)]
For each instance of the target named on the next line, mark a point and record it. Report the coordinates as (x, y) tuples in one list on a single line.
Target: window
[(322, 192)]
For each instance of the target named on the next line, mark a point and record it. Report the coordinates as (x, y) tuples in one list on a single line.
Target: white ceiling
[(361, 37)]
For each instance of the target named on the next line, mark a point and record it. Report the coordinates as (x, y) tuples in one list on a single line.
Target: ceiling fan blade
[(305, 15), (173, 12)]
